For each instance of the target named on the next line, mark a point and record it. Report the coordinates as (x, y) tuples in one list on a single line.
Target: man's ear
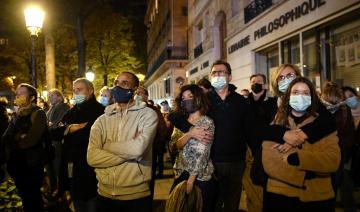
[(32, 98), (230, 78)]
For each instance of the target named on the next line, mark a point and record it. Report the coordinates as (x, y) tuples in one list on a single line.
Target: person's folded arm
[(96, 155), (135, 147)]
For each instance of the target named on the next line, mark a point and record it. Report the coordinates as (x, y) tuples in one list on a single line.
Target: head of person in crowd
[(332, 97), (165, 107), (105, 96), (205, 85), (191, 99), (125, 86), (25, 96), (83, 91), (282, 78), (245, 93), (299, 100), (220, 75), (258, 84), (351, 96), (3, 101), (150, 102), (42, 104), (141, 94), (55, 97)]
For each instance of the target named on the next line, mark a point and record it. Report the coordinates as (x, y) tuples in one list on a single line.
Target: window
[(234, 7), (345, 54), (267, 60), (290, 50)]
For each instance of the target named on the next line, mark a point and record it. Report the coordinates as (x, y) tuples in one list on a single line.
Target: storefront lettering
[(305, 8), (238, 45)]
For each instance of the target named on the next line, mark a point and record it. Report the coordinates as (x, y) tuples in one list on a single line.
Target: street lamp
[(90, 75), (34, 18)]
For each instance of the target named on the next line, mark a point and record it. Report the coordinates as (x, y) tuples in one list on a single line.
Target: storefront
[(321, 36)]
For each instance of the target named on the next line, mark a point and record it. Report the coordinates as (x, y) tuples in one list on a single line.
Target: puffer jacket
[(120, 149), (320, 158)]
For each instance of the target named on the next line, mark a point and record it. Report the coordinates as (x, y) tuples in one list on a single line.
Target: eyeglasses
[(219, 73), (288, 76)]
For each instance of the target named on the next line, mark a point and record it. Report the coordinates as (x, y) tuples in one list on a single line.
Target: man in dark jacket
[(54, 115), (24, 143), (233, 118), (75, 130)]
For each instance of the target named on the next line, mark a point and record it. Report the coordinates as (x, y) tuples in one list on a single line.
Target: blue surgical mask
[(104, 100), (284, 84), (121, 95), (78, 99), (352, 102), (219, 82), (300, 102)]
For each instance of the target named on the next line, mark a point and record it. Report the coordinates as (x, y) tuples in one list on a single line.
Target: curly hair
[(281, 117), (199, 97)]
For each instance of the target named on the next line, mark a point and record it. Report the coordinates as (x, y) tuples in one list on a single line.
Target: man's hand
[(76, 127), (201, 134), (190, 184), (294, 137)]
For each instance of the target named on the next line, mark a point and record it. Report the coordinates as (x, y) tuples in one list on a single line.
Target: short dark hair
[(204, 83), (31, 90), (221, 62), (199, 97), (259, 75), (135, 78), (351, 89)]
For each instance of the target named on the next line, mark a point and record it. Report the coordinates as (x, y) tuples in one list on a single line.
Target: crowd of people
[(294, 149)]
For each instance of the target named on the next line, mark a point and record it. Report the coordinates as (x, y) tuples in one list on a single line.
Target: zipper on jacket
[(113, 191)]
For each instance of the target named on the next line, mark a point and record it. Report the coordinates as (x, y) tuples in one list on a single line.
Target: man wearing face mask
[(120, 150), (75, 130), (54, 115), (24, 143), (233, 118)]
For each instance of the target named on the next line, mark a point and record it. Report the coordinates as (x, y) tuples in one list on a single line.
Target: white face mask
[(300, 102), (219, 82)]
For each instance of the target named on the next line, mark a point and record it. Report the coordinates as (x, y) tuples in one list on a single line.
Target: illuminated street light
[(90, 75), (34, 18)]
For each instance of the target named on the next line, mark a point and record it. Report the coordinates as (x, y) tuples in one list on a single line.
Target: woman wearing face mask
[(193, 161), (24, 139), (333, 99), (300, 180), (312, 132), (352, 100), (105, 96)]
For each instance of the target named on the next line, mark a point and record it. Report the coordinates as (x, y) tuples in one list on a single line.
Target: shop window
[(345, 54), (267, 60), (290, 50), (313, 51)]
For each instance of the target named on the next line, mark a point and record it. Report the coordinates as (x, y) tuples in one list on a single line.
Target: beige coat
[(120, 149), (322, 157)]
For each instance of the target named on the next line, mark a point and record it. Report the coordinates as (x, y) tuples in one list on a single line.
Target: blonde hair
[(275, 75), (86, 82), (332, 93)]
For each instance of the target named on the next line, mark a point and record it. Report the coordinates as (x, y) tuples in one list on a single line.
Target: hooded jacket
[(120, 149)]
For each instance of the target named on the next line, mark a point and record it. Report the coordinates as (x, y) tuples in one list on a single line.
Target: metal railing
[(255, 8), (169, 53)]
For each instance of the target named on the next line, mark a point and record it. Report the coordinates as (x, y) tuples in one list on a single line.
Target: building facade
[(321, 36), (166, 21)]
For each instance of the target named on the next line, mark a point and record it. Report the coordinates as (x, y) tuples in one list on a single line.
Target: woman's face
[(286, 73), (187, 95), (300, 88), (105, 93), (348, 94)]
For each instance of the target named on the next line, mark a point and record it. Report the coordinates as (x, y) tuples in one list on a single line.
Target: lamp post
[(34, 18), (90, 75)]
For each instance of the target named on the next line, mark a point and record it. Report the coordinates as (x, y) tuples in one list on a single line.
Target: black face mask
[(121, 95), (256, 88), (189, 105)]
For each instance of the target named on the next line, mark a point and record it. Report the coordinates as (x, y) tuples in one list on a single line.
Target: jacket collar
[(113, 109)]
